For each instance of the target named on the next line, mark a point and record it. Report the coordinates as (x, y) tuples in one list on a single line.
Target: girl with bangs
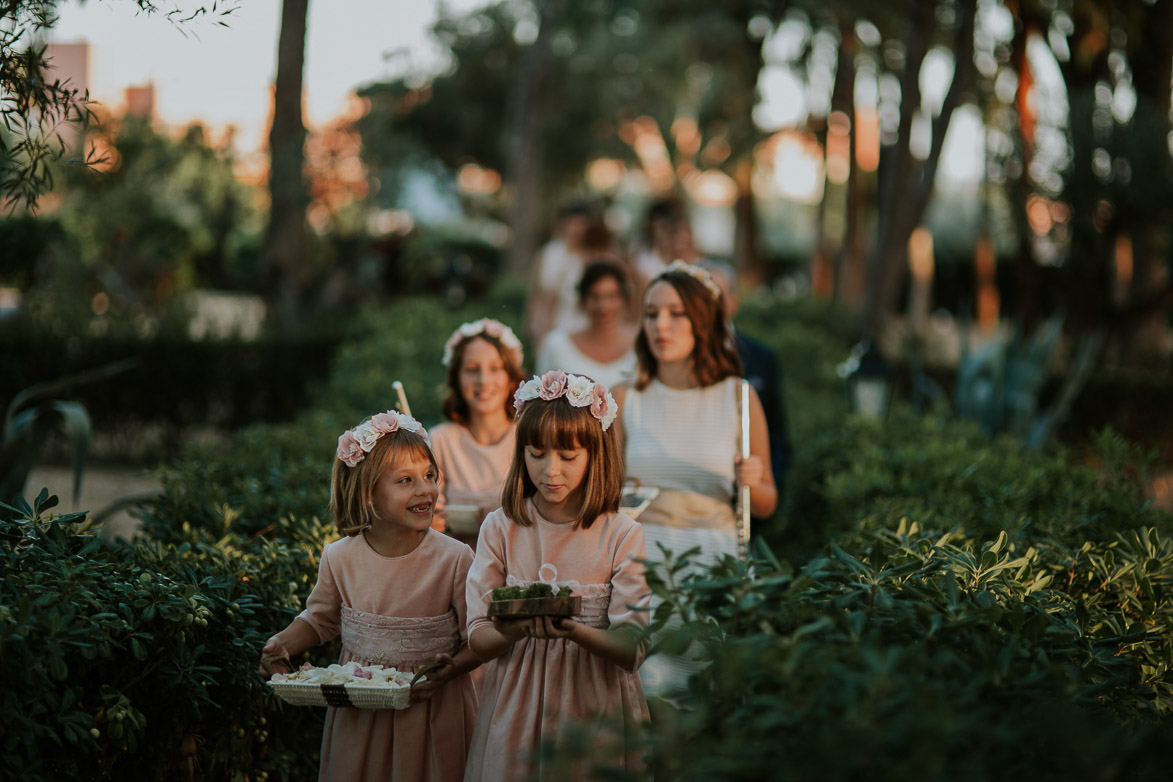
[(680, 424), (549, 679), (393, 590)]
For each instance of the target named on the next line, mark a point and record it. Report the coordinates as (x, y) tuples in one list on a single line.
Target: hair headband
[(694, 271), (488, 327), (579, 392), (354, 444)]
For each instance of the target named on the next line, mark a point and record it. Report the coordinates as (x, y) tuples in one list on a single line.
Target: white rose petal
[(366, 436), (579, 391)]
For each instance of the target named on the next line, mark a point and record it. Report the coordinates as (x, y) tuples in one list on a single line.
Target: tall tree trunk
[(525, 150), (284, 257), (908, 187), (746, 258), (1087, 279), (1152, 239), (843, 99), (897, 169), (1028, 274)]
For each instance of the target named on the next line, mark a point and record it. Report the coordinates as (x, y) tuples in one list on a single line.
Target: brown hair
[(600, 270), (455, 407), (352, 489), (555, 424), (714, 356)]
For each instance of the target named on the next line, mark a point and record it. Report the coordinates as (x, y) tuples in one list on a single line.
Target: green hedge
[(948, 606), (967, 610), (138, 662), (178, 386)]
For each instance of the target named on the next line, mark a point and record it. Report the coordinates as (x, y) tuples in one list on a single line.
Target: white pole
[(743, 491), (403, 406)]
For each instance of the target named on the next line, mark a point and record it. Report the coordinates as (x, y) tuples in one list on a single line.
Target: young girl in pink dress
[(474, 445), (393, 589), (559, 523)]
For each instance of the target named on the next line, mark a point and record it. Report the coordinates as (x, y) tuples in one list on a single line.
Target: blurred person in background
[(474, 447), (580, 234), (603, 351), (666, 237)]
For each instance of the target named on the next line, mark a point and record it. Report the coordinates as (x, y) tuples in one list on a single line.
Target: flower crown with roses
[(489, 327), (579, 392), (696, 272), (354, 444)]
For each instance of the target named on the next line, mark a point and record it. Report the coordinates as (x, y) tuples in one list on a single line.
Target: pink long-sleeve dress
[(401, 612), (541, 691)]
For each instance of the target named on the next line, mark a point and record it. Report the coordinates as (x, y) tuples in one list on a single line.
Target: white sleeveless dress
[(683, 442), (559, 352)]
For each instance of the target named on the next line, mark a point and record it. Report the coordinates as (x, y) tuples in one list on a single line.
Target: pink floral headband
[(579, 392), (354, 444), (696, 272), (488, 327)]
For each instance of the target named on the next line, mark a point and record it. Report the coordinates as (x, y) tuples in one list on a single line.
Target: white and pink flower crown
[(579, 392), (696, 272), (354, 444), (488, 327)]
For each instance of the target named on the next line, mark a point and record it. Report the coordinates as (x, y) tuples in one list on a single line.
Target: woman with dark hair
[(475, 446), (603, 351), (680, 424)]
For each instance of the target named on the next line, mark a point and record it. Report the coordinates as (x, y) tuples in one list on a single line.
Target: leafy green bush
[(932, 657), (139, 662), (944, 472), (968, 609)]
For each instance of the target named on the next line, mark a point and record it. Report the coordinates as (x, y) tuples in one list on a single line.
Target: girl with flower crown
[(393, 589), (681, 429), (474, 447), (559, 523)]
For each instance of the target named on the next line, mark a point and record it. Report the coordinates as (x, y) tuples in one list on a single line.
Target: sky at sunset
[(223, 75)]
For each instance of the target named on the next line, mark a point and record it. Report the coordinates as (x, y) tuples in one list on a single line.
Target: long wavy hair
[(455, 407), (714, 355)]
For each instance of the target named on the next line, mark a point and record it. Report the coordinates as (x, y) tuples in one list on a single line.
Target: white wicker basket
[(359, 696)]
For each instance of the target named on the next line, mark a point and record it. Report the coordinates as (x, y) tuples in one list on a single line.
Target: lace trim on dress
[(399, 641)]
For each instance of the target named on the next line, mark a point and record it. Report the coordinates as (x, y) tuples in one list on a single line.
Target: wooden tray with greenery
[(522, 602)]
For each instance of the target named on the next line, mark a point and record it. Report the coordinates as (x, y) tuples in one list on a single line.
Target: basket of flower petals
[(349, 684), (538, 599)]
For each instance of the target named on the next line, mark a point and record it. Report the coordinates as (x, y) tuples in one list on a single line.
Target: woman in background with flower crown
[(474, 447), (560, 524), (681, 429)]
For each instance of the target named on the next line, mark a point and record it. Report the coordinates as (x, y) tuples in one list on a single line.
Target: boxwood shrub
[(945, 606), (138, 662)]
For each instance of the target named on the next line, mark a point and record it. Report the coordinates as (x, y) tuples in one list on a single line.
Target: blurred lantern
[(869, 380)]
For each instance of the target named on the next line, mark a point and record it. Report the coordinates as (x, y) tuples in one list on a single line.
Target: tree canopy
[(36, 107)]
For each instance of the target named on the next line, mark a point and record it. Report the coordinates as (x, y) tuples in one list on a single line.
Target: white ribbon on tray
[(511, 580)]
